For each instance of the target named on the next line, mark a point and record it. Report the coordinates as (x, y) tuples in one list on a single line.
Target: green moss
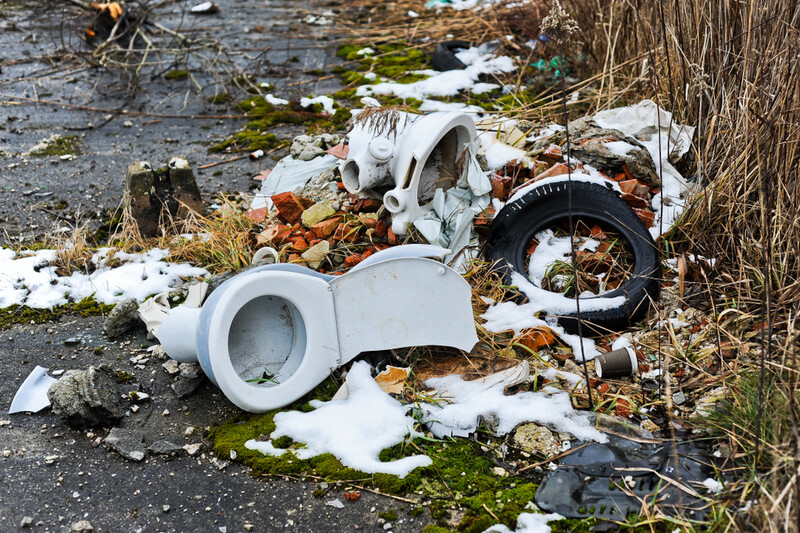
[(389, 516), (123, 377), (221, 98), (176, 75), (64, 145), (432, 528), (255, 134), (247, 140), (21, 314)]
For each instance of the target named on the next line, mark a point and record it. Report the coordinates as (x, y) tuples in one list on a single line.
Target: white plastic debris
[(32, 394), (290, 174)]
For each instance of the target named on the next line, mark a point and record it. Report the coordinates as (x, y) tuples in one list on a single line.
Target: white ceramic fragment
[(32, 394)]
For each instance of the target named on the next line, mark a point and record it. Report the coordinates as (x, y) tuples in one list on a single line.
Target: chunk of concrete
[(317, 254), (87, 398), (123, 318), (129, 443), (317, 213)]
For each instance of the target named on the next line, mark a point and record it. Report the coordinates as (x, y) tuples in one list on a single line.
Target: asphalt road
[(50, 473)]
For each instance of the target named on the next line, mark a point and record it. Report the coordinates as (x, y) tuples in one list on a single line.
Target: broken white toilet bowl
[(421, 154), (270, 335)]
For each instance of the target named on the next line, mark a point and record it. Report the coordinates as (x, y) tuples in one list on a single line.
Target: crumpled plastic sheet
[(449, 223), (290, 174)]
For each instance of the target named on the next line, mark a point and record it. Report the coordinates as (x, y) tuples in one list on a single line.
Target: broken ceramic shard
[(408, 157), (32, 394), (271, 334)]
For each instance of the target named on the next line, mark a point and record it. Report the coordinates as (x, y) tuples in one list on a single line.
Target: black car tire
[(520, 220), (444, 56)]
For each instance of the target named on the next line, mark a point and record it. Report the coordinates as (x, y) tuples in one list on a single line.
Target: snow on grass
[(528, 523), (447, 83), (30, 279), (465, 403), (326, 101), (358, 428), (275, 100), (355, 429)]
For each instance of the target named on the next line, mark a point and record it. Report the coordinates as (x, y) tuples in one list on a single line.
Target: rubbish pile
[(363, 241)]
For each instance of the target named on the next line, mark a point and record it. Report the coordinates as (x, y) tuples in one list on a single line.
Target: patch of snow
[(355, 429), (326, 101), (436, 105), (528, 523), (275, 101), (464, 403), (28, 279), (447, 83), (620, 148), (713, 486), (499, 154)]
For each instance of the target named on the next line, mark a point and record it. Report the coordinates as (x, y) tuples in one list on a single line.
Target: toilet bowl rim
[(310, 296)]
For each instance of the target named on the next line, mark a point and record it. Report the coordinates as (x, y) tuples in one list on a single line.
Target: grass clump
[(58, 145), (174, 75)]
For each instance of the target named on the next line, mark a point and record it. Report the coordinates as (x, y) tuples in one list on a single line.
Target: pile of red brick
[(550, 163)]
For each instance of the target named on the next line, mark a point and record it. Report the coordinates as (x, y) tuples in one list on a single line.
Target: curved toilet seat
[(270, 338)]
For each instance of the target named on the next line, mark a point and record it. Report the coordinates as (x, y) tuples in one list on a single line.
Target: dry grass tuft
[(221, 242)]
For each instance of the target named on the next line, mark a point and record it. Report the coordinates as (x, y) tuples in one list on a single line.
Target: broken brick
[(257, 215), (559, 169), (381, 229), (501, 186), (298, 243), (369, 222), (634, 201), (537, 338), (290, 207), (646, 216), (352, 260), (339, 151), (553, 153), (391, 236), (627, 172), (274, 234), (366, 205), (346, 232), (325, 229), (635, 187)]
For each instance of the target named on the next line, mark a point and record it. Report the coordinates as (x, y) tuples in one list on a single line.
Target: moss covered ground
[(461, 480)]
